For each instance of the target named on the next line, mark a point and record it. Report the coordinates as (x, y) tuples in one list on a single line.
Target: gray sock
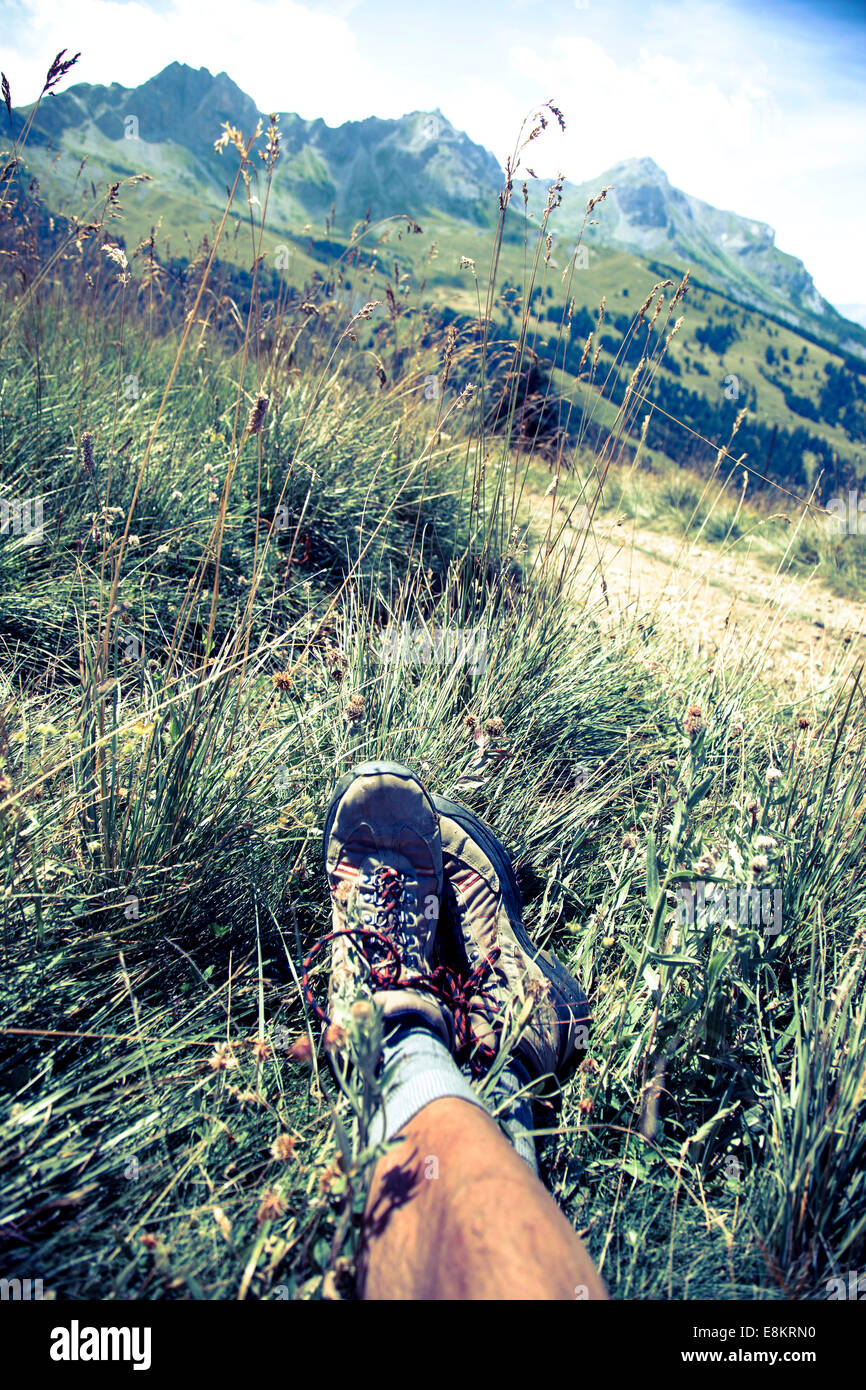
[(422, 1070), (516, 1119)]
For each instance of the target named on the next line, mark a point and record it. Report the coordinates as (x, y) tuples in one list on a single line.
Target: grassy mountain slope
[(756, 334), (193, 649)]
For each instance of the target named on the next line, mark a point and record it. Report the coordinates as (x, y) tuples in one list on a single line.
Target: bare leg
[(454, 1213)]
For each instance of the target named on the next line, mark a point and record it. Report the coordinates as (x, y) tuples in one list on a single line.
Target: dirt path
[(795, 630)]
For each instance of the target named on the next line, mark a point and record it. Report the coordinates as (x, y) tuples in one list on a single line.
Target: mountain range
[(419, 164), (757, 332)]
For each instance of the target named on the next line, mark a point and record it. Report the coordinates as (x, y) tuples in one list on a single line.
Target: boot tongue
[(390, 896)]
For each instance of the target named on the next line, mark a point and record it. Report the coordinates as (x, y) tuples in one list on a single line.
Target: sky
[(759, 109)]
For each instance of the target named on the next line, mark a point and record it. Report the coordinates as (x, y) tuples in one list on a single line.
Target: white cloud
[(736, 140), (285, 55)]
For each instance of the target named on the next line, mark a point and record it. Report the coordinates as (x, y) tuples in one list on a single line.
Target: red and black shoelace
[(461, 994)]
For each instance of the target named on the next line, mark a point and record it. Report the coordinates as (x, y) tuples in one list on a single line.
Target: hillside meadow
[(240, 504)]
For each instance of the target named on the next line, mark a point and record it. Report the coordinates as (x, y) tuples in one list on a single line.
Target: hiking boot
[(483, 900), (383, 859)]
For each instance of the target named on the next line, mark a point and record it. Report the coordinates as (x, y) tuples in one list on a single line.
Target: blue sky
[(760, 109)]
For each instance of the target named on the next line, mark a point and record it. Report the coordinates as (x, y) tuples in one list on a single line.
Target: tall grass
[(200, 644)]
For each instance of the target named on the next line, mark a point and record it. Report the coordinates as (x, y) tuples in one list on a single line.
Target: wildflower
[(247, 1096), (765, 842), (331, 1175), (283, 680), (301, 1051), (212, 499), (335, 1036), (585, 1106), (221, 1058), (5, 783), (470, 722), (87, 450), (283, 1147), (773, 775), (694, 722), (343, 892), (162, 549), (134, 542), (222, 1221), (537, 990), (261, 1050), (802, 722), (628, 840), (495, 727), (176, 496), (272, 1206), (354, 710), (257, 414), (149, 1240), (336, 663), (759, 864)]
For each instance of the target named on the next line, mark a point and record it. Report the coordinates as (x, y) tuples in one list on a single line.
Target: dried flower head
[(87, 451), (329, 1177), (118, 256), (694, 721), (257, 414), (59, 68), (765, 842), (301, 1051), (336, 663), (221, 1058), (283, 1147), (222, 1222), (354, 710), (271, 1207), (270, 154), (334, 1037), (494, 727), (283, 680)]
